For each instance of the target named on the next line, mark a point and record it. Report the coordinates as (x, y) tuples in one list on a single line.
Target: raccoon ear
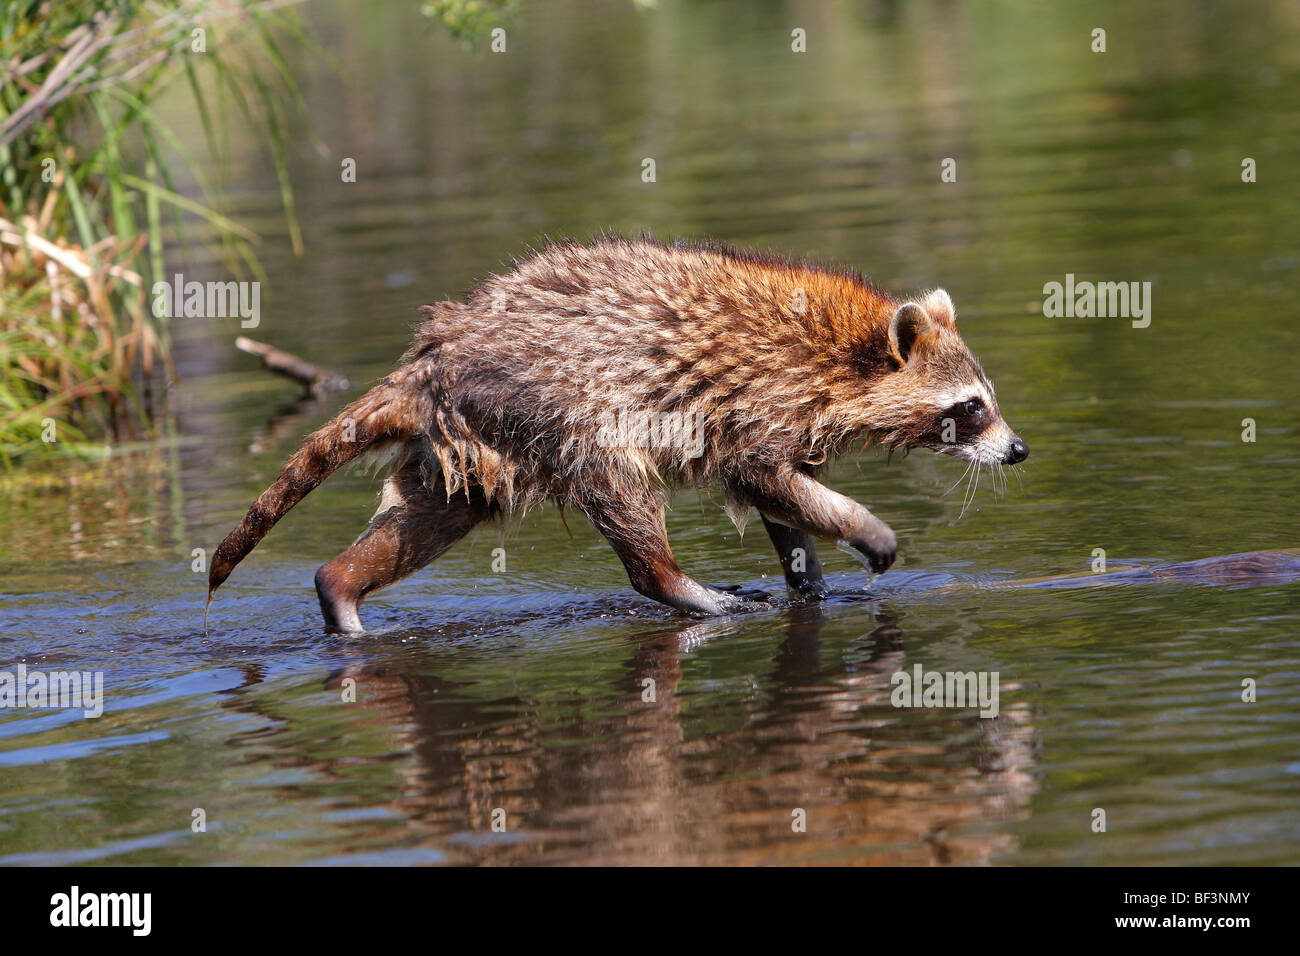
[(906, 328), (939, 304)]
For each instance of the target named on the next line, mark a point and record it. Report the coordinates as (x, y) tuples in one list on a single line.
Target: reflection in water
[(286, 423), (618, 777)]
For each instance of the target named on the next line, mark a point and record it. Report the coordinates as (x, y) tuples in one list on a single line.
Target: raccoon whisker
[(971, 488), (959, 480)]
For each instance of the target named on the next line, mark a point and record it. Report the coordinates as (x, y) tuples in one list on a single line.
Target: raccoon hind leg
[(415, 523), (632, 521)]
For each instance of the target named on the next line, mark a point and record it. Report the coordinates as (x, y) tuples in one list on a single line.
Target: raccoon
[(507, 400)]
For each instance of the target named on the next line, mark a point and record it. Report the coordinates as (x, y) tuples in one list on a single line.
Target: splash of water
[(854, 552)]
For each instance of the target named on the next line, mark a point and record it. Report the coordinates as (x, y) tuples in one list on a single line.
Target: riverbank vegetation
[(89, 199)]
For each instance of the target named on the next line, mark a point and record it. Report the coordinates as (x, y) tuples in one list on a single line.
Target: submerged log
[(316, 381)]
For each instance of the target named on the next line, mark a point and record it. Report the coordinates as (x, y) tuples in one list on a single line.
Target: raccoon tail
[(381, 415)]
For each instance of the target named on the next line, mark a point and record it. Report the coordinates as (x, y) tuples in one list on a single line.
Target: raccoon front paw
[(878, 544), (812, 590)]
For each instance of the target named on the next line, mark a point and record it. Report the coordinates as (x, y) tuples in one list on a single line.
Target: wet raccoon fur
[(509, 399)]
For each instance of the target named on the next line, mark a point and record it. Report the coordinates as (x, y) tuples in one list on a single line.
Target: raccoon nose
[(1017, 453)]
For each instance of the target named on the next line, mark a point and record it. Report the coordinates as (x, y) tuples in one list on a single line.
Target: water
[(522, 690)]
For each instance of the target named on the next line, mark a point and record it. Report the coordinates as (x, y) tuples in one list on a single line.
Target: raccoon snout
[(1016, 453)]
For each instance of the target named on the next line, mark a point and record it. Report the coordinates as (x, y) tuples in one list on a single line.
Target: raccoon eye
[(972, 406)]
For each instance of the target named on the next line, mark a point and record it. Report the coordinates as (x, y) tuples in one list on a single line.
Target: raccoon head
[(936, 395)]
